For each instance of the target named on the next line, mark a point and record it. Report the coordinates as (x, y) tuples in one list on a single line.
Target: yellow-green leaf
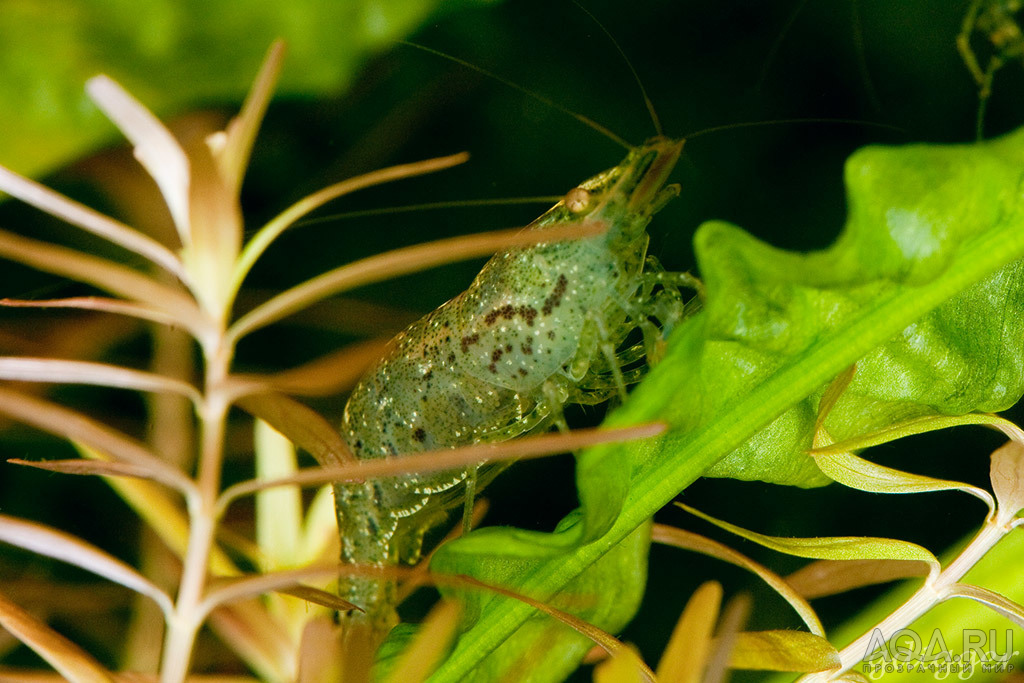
[(829, 547), (783, 651)]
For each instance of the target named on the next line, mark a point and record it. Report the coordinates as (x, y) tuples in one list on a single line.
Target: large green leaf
[(171, 55), (922, 289)]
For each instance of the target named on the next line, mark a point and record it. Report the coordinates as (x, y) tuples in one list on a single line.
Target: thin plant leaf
[(605, 640), (155, 147), (96, 303), (831, 577), (162, 513), (625, 666), (236, 145), (829, 547), (734, 616), (82, 216), (686, 653), (921, 425), (215, 219), (688, 540), (420, 573), (73, 663), (420, 658), (832, 394), (857, 473), (319, 597), (320, 529), (432, 461), (278, 510), (1007, 475), (272, 230), (257, 637), (995, 601), (61, 546), (55, 419), (783, 651), (1012, 431), (321, 653), (302, 425), (88, 467), (105, 275), (331, 374), (399, 262), (230, 590), (57, 371)]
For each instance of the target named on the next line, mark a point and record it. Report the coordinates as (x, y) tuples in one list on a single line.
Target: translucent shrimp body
[(537, 329)]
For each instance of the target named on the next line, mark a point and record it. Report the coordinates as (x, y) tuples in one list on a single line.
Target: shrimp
[(539, 328)]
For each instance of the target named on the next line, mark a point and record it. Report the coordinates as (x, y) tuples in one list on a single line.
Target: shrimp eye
[(576, 199)]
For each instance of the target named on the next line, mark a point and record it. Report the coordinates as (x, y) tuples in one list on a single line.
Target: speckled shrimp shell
[(538, 328)]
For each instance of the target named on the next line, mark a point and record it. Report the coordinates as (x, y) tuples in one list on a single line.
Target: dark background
[(866, 72)]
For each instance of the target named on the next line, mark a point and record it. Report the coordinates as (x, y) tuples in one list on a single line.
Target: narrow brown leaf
[(238, 137), (451, 458), (49, 542), (59, 371), (55, 419), (321, 659), (272, 230), (101, 468), (610, 643), (106, 275), (258, 637), (302, 425), (688, 540), (230, 590), (318, 597), (831, 577), (734, 616), (330, 374), (82, 216), (96, 303), (399, 262), (67, 658)]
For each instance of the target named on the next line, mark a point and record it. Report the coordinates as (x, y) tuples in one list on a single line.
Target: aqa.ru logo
[(906, 651)]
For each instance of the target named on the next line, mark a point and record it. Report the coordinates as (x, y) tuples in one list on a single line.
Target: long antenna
[(777, 122), (636, 77), (428, 206), (511, 84)]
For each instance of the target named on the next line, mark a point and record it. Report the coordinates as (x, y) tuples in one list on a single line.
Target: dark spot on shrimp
[(551, 334), (468, 341), (451, 358), (527, 348), (508, 348), (493, 368), (496, 355), (523, 372), (420, 434), (555, 298)]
